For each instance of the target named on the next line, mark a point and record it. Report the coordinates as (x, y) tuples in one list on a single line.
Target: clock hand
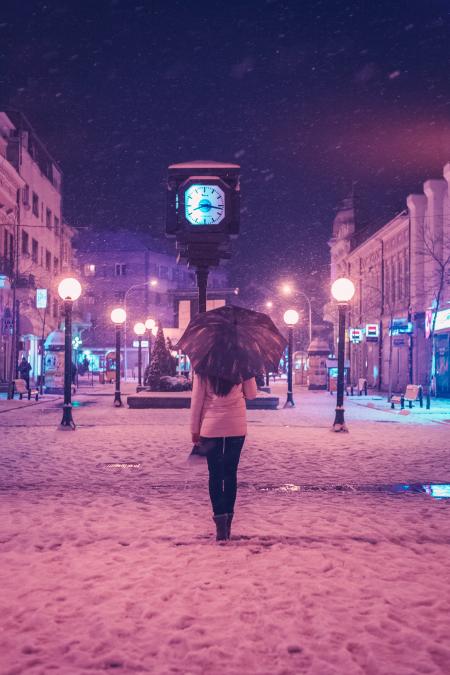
[(210, 206)]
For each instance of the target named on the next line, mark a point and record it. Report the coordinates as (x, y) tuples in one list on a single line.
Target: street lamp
[(150, 325), (152, 283), (290, 319), (139, 329), (287, 289), (69, 290), (118, 317), (342, 291)]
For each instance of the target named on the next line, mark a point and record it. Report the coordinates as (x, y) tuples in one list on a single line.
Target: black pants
[(223, 460)]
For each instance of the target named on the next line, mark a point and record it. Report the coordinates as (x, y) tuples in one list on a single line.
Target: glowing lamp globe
[(269, 304), (150, 324), (153, 282), (291, 317), (69, 289), (343, 289), (118, 315), (139, 328)]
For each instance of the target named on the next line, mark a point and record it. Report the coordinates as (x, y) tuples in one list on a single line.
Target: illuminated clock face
[(204, 204)]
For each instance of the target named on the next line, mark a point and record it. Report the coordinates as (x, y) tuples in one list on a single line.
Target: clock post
[(203, 203)]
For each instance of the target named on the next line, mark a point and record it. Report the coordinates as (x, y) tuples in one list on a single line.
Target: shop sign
[(355, 335), (400, 327), (41, 298), (442, 321), (144, 343), (398, 341), (372, 332)]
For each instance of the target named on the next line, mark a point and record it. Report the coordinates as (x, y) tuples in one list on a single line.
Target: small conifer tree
[(159, 364)]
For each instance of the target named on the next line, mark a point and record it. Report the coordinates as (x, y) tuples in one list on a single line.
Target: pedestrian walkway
[(108, 559)]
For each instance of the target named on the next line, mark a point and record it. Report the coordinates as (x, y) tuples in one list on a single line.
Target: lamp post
[(69, 290), (342, 291), (139, 329), (150, 325), (287, 289), (151, 283), (118, 317), (290, 319)]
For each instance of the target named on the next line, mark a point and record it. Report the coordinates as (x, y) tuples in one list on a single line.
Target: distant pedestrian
[(24, 371), (74, 373), (219, 426)]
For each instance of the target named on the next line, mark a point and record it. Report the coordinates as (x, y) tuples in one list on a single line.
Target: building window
[(120, 269), (34, 250), (55, 264), (48, 218), (56, 225), (175, 273), (163, 272), (35, 205), (119, 296), (48, 261), (25, 243), (89, 270), (26, 196), (55, 308)]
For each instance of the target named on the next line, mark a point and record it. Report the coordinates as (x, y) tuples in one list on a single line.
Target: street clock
[(202, 198), (203, 215)]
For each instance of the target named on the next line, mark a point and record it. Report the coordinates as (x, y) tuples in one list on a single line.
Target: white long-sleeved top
[(215, 416)]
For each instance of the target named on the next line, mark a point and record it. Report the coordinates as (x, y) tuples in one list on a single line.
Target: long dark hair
[(220, 386)]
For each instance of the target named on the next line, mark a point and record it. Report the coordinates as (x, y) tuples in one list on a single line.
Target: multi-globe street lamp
[(290, 319), (152, 283), (69, 290), (139, 329), (118, 317), (342, 291)]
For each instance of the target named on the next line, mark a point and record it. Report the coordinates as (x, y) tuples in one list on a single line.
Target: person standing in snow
[(24, 371), (218, 427)]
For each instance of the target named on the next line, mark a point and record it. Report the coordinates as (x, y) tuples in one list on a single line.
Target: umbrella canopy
[(233, 343)]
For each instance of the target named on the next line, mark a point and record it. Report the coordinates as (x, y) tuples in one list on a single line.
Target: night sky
[(309, 97)]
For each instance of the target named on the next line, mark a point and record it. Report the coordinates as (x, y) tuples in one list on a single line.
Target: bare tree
[(435, 252)]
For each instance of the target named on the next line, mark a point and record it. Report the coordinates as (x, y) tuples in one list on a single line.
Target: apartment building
[(401, 272), (42, 240)]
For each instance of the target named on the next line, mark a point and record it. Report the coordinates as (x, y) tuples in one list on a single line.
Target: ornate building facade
[(401, 273)]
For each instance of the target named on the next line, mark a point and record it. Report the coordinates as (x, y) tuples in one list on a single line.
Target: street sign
[(41, 298), (355, 335), (372, 332)]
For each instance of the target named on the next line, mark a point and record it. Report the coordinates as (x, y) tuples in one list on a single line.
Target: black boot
[(221, 526), (229, 520)]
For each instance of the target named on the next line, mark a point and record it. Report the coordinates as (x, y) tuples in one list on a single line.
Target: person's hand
[(196, 439)]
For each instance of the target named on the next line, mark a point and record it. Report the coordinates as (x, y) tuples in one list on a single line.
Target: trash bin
[(101, 377)]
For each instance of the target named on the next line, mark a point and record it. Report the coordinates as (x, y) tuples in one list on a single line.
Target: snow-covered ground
[(116, 568)]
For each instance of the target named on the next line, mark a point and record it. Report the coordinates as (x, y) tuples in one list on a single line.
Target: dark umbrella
[(233, 343)]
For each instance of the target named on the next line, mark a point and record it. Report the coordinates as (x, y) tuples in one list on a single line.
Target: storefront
[(441, 352)]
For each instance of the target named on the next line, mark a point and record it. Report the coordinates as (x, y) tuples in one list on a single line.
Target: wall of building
[(125, 269), (43, 239), (396, 271)]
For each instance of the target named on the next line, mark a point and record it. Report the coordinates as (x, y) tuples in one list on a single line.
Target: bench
[(20, 387), (413, 392)]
